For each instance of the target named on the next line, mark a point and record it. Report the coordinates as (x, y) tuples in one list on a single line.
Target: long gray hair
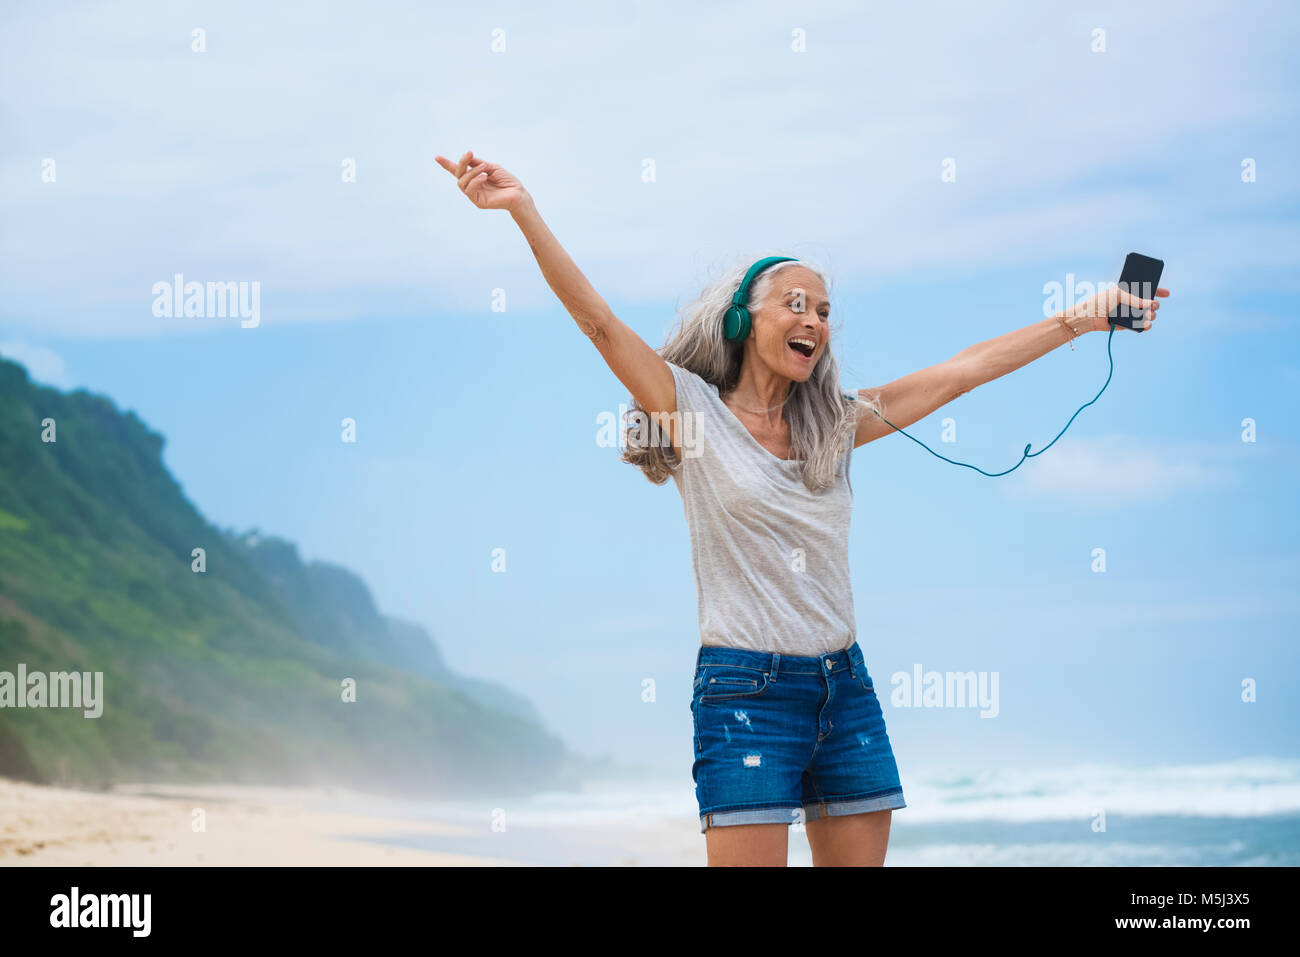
[(821, 416)]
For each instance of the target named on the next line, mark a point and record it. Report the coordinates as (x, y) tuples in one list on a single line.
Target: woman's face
[(792, 328)]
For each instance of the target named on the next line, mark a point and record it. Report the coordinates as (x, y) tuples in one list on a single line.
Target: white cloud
[(225, 165), (43, 365), (1121, 470)]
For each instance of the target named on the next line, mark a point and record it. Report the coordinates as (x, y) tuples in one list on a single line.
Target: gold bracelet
[(1068, 328)]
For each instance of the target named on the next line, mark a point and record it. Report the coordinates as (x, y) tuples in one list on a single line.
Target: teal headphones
[(735, 324)]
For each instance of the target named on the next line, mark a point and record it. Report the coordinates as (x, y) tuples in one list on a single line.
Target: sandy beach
[(1238, 813), (144, 825)]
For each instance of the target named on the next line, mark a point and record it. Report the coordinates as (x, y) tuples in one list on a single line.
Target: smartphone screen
[(1141, 277)]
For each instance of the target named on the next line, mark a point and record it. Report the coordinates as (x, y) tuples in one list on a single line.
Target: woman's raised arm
[(916, 395), (642, 370)]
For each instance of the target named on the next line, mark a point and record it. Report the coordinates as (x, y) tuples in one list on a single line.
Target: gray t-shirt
[(771, 558)]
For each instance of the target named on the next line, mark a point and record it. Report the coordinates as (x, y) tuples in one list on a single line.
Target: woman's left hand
[(1100, 306)]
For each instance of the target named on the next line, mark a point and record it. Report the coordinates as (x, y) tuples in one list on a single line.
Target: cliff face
[(236, 673)]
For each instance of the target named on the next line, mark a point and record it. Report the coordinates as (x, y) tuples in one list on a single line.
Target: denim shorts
[(782, 739)]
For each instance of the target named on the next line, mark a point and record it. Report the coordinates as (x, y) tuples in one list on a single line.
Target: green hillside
[(233, 674)]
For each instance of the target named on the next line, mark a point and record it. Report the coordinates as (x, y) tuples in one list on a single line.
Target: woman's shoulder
[(681, 370), (698, 390)]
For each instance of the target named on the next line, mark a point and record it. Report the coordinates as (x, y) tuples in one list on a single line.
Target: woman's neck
[(761, 393)]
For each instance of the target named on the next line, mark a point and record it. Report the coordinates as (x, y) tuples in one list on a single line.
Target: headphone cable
[(1027, 454)]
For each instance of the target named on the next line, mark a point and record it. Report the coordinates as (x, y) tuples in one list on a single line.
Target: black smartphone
[(1141, 277)]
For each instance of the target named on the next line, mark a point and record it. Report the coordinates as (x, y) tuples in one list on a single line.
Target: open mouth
[(804, 346)]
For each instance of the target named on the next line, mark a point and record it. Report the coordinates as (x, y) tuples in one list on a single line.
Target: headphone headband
[(735, 324)]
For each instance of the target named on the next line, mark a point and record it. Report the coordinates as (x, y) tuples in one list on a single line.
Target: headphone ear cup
[(735, 325)]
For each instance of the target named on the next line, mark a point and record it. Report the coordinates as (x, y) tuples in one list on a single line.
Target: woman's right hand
[(487, 185)]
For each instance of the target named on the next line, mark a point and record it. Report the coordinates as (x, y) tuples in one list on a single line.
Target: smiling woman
[(767, 501), (787, 724), (779, 377)]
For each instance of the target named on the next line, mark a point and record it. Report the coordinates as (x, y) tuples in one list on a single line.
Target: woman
[(788, 727)]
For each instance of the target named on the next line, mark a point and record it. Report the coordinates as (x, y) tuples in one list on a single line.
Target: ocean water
[(1236, 813)]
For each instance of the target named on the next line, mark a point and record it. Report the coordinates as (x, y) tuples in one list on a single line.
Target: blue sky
[(477, 429)]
